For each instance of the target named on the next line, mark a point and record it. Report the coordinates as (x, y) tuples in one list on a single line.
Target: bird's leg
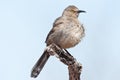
[(67, 52)]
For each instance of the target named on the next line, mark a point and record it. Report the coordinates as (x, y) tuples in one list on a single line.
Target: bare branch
[(65, 57)]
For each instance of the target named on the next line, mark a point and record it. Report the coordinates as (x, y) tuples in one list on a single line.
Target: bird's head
[(72, 11)]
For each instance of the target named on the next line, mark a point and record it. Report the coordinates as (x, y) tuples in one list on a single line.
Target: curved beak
[(81, 11)]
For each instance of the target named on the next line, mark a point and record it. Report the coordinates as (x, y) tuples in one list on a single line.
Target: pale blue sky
[(24, 25)]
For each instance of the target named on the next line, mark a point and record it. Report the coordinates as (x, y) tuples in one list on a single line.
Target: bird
[(67, 32)]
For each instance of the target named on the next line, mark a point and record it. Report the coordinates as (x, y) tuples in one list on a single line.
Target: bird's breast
[(70, 36)]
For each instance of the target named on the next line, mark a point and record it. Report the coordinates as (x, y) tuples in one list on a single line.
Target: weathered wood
[(65, 57)]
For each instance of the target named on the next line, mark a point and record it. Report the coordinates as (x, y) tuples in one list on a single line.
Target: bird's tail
[(40, 64)]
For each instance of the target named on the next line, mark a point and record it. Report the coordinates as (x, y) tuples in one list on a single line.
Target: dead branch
[(65, 57)]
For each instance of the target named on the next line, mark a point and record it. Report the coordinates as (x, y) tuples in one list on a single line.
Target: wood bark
[(65, 57)]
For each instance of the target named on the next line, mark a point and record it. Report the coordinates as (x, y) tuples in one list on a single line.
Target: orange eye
[(73, 11)]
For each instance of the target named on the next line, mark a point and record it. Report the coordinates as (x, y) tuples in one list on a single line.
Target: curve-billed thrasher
[(66, 33)]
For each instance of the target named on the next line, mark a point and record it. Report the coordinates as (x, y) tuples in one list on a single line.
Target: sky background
[(24, 25)]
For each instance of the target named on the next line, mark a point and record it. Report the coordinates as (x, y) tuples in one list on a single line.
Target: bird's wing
[(57, 22)]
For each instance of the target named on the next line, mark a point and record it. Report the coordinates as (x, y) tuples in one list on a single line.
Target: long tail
[(40, 64)]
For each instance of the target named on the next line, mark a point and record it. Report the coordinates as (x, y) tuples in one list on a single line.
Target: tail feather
[(40, 64)]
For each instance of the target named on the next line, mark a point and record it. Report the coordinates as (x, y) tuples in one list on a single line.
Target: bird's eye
[(73, 11)]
